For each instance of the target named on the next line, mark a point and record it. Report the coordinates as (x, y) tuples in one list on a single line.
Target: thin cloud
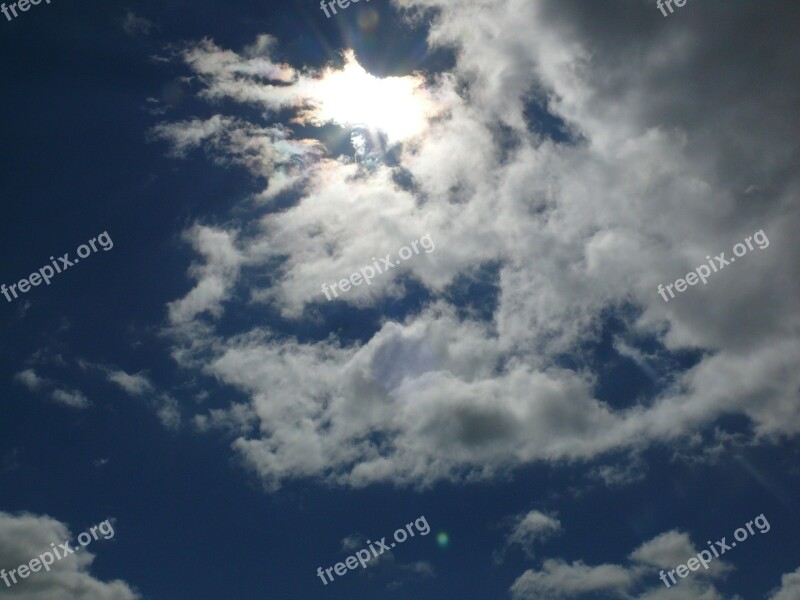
[(73, 399), (30, 380), (135, 25)]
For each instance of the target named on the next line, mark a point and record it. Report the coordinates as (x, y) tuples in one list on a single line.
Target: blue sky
[(519, 381)]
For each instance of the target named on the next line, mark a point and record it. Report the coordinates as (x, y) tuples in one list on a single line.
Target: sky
[(423, 299)]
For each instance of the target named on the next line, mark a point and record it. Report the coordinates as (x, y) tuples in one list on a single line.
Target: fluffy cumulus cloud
[(674, 146), (531, 528), (638, 578), (25, 536), (790, 587)]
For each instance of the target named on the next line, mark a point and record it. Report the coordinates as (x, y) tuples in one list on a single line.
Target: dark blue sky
[(193, 518)]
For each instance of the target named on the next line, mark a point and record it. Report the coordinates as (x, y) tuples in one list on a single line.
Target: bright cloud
[(572, 232)]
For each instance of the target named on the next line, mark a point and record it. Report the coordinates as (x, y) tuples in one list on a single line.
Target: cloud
[(620, 473), (26, 536), (166, 407), (134, 25), (531, 528), (29, 379), (35, 383), (387, 565), (135, 385), (214, 278), (168, 411), (73, 399), (651, 178), (637, 580), (790, 587), (414, 571), (238, 418), (558, 579), (139, 385)]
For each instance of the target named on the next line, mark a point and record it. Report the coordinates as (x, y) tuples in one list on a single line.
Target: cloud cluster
[(139, 385), (638, 579), (34, 383), (26, 536), (678, 145)]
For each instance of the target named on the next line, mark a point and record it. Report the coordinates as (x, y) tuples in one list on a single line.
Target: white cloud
[(139, 385), (238, 418), (24, 537), (622, 472), (531, 528), (637, 580), (790, 587), (35, 383), (73, 399), (658, 179), (214, 278), (135, 385), (166, 406), (558, 579)]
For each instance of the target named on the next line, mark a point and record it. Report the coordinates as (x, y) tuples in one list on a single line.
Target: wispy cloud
[(30, 379), (35, 383), (135, 25), (135, 385), (73, 399)]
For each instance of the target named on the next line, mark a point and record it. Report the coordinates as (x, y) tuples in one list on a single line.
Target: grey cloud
[(26, 536)]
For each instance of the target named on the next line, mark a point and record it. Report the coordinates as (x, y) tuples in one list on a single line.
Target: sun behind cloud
[(398, 106)]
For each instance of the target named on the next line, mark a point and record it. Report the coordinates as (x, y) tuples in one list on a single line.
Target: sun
[(398, 106)]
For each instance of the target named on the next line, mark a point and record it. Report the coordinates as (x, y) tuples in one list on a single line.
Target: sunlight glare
[(398, 106)]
